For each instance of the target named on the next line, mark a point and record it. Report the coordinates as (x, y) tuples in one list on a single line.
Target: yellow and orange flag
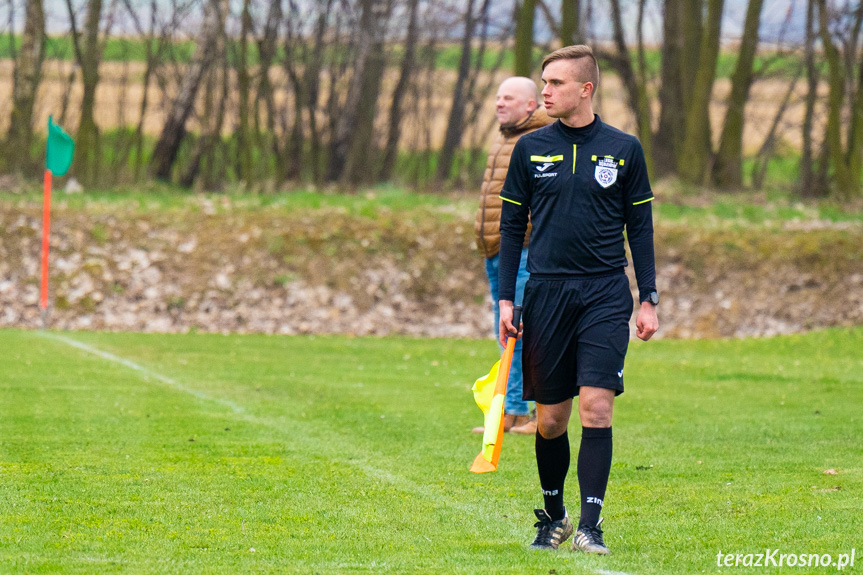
[(489, 392)]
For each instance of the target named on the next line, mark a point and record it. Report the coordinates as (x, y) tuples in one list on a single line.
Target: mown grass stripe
[(478, 512), (352, 459)]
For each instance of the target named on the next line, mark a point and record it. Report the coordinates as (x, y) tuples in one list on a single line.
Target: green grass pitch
[(133, 453)]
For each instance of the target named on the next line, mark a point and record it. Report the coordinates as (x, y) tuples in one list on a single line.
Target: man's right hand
[(506, 329)]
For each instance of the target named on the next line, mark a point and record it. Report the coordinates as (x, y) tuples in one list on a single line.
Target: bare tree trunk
[(636, 89), (622, 63), (480, 95), (267, 54), (855, 134), (68, 85), (525, 16), (361, 152), (692, 29), (809, 187), (244, 85), (152, 54), (202, 164), (204, 141), (474, 98), (336, 71), (290, 161), (174, 129), (425, 108), (570, 30), (313, 82), (88, 58), (645, 127), (26, 77), (765, 153), (728, 164), (842, 177), (692, 160), (669, 137), (455, 125), (10, 26), (204, 170), (852, 59), (400, 92), (367, 62), (151, 59), (215, 168), (294, 149)]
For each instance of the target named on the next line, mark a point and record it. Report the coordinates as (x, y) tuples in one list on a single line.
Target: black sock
[(594, 464), (552, 460)]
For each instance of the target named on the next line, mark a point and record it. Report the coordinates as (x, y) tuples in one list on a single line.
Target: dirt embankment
[(214, 266)]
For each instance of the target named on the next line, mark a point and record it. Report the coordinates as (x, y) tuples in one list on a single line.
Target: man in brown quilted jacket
[(518, 114)]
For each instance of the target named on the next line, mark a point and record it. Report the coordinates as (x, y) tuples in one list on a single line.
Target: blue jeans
[(513, 404)]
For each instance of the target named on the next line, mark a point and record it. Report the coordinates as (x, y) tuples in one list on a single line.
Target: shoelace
[(544, 523), (550, 532), (594, 534), (545, 528)]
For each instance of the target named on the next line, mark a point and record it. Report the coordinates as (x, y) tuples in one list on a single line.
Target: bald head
[(519, 84), (516, 100)]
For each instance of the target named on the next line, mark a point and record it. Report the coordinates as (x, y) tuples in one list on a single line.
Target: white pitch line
[(353, 460), (142, 370), (369, 470)]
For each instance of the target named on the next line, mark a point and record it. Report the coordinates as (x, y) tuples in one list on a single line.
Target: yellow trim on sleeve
[(546, 158), (644, 201), (515, 202)]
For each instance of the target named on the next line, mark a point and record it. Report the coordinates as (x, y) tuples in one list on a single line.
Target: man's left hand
[(646, 323)]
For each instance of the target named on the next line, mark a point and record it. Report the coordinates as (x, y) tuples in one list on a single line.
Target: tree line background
[(264, 93)]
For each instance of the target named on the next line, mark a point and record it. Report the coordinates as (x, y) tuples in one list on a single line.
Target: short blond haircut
[(587, 69)]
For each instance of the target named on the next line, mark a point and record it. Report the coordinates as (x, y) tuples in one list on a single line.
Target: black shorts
[(576, 332)]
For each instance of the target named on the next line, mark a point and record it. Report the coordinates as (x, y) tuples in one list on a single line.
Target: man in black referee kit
[(582, 183)]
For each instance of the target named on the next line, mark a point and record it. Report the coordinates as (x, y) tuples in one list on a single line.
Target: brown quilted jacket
[(487, 224)]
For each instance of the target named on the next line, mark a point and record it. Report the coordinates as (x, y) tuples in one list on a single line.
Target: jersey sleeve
[(639, 230), (637, 190), (639, 223), (514, 215)]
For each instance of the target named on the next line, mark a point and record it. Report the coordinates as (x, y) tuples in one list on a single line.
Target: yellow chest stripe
[(546, 158)]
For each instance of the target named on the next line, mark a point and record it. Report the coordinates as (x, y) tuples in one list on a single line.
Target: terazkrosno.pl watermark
[(775, 558)]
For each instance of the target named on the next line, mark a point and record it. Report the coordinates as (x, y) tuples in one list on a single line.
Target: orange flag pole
[(483, 463), (59, 150), (46, 233)]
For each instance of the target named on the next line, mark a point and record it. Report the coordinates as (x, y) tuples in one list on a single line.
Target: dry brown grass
[(119, 95)]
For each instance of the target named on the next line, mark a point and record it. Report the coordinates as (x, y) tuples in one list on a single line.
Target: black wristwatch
[(652, 297)]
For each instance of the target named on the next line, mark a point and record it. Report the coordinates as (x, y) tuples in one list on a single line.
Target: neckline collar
[(579, 135)]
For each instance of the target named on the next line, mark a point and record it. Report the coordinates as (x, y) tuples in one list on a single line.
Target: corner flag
[(60, 149), (58, 158)]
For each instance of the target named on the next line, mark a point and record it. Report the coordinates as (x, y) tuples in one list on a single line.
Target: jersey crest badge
[(605, 172)]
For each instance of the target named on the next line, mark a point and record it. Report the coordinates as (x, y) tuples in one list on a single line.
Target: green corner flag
[(60, 149)]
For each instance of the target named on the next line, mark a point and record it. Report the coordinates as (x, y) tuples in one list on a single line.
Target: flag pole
[(46, 233), (486, 462), (59, 150)]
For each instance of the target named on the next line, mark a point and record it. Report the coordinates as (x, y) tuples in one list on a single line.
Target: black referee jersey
[(580, 187)]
